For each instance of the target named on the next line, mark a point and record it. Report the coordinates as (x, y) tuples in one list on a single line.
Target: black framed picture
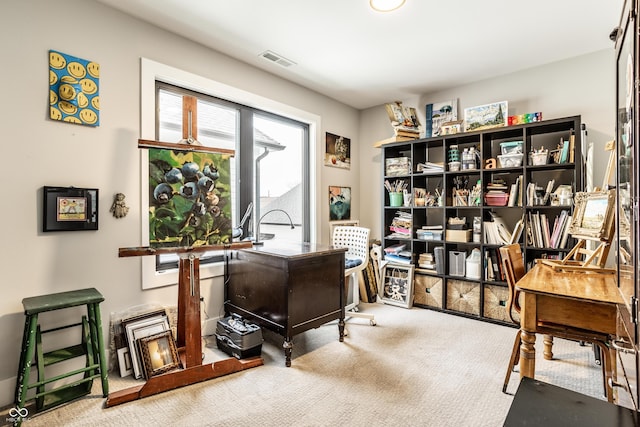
[(69, 208)]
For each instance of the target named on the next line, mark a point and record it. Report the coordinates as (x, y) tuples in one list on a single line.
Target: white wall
[(41, 152), (582, 86)]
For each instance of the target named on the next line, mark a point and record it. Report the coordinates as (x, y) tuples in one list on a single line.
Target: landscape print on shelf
[(486, 116), (438, 114)]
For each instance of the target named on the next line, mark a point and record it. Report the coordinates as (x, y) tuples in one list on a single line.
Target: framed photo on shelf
[(439, 113), (141, 329), (159, 354), (486, 116), (69, 209), (397, 285)]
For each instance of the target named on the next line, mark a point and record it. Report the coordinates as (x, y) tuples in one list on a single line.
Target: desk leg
[(528, 322), (527, 354), (288, 347), (548, 347)]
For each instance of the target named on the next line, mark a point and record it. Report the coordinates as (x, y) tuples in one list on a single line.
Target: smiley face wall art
[(74, 84)]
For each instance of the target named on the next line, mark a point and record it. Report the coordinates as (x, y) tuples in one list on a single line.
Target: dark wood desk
[(287, 288), (585, 301)]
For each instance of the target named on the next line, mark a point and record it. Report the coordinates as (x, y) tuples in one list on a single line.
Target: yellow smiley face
[(72, 119), (53, 77), (76, 69), (67, 92), (88, 116), (82, 100), (68, 79), (53, 97), (67, 107), (94, 69), (54, 113), (89, 86), (95, 103), (56, 60)]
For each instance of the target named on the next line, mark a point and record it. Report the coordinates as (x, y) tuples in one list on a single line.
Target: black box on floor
[(238, 338)]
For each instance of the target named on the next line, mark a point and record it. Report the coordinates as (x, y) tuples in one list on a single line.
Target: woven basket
[(495, 303), (427, 290), (463, 296)]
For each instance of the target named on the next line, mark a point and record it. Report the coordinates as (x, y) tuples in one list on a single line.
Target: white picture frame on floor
[(141, 329), (397, 285)]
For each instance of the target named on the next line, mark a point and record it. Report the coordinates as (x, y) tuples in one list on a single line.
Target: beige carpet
[(415, 368)]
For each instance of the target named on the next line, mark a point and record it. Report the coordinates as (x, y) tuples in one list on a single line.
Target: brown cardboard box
[(458, 235)]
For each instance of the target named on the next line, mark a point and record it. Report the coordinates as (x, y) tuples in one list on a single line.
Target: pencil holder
[(395, 199)]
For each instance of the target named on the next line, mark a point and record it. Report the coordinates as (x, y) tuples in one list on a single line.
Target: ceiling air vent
[(278, 59)]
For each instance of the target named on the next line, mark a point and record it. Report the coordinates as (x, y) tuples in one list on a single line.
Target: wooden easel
[(189, 333), (580, 258)]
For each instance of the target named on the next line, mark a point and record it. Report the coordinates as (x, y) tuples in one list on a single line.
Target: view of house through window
[(271, 162)]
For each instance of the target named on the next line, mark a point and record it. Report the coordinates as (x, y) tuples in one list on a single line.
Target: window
[(272, 165)]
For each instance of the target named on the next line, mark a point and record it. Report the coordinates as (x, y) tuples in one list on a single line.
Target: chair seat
[(352, 263)]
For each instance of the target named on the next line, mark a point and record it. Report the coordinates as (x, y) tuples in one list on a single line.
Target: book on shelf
[(572, 146), (517, 231), (397, 259), (428, 167), (394, 249), (565, 234)]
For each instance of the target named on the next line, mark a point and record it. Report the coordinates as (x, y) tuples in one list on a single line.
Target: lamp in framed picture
[(592, 221), (69, 209), (397, 285), (159, 354)]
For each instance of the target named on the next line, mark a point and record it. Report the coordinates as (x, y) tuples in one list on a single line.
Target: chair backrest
[(355, 239), (513, 267)]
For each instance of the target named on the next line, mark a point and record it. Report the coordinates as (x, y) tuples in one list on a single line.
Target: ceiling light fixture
[(385, 5)]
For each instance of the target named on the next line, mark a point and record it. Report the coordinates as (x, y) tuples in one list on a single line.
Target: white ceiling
[(363, 58)]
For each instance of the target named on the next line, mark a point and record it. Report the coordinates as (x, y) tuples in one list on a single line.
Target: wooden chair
[(513, 266), (356, 240)]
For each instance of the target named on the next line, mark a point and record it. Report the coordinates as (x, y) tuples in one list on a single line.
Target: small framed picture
[(397, 285), (124, 362), (69, 208), (141, 329), (338, 151), (486, 116), (159, 354)]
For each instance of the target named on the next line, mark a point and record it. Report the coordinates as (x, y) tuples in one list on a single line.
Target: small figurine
[(118, 207)]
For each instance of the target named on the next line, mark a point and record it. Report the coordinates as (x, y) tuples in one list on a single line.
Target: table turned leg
[(341, 324), (288, 347), (548, 347), (527, 354)]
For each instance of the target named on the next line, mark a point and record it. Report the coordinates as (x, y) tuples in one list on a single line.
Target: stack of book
[(397, 253), (541, 235), (428, 262), (400, 226)]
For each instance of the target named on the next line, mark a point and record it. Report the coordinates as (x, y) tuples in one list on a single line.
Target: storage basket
[(427, 290), (463, 296), (495, 303)]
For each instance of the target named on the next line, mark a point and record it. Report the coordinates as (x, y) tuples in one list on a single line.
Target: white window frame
[(150, 72)]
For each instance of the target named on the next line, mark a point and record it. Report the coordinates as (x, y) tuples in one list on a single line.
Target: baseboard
[(209, 326), (7, 391)]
